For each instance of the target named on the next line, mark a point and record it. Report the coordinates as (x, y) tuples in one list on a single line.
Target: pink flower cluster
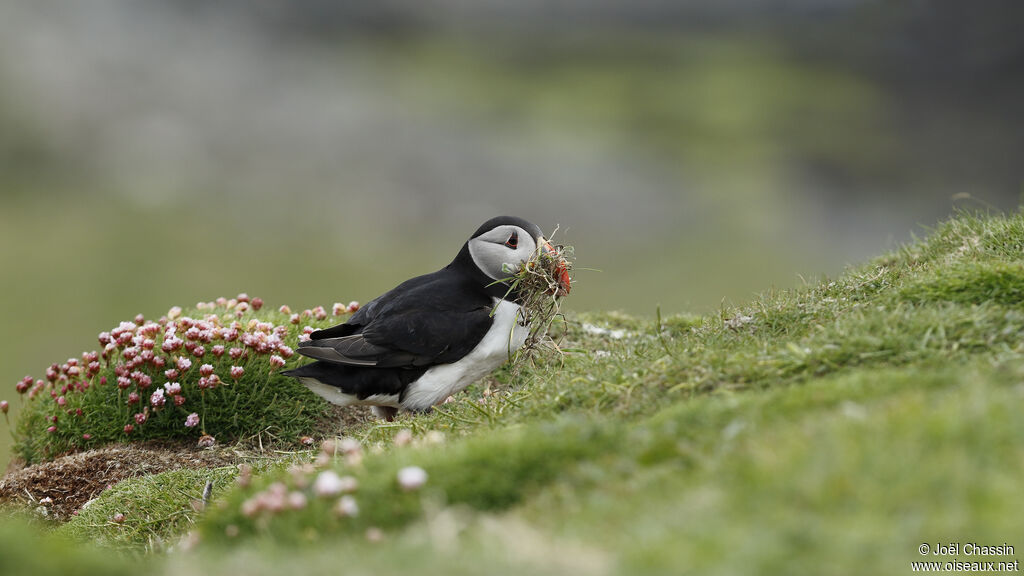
[(159, 365), (327, 485)]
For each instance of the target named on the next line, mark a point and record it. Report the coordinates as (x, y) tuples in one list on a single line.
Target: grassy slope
[(826, 430)]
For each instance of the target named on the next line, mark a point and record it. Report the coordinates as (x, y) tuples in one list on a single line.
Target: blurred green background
[(694, 153)]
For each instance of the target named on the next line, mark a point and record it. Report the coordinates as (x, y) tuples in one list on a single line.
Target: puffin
[(431, 336)]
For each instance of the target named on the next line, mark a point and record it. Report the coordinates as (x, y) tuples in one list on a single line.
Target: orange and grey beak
[(561, 270)]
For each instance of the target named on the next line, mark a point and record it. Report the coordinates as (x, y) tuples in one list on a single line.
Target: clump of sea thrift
[(151, 375)]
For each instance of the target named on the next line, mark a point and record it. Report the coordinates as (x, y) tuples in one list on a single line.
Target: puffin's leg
[(386, 413)]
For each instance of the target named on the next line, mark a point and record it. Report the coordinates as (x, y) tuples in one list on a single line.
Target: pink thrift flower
[(4, 406), (105, 338), (86, 436), (319, 313), (257, 303), (218, 350), (285, 351), (346, 507), (171, 374), (294, 319), (236, 353), (284, 309), (123, 382), (192, 420), (206, 441), (51, 429), (297, 500), (172, 344), (128, 428), (133, 398), (140, 319), (184, 364), (206, 369), (338, 309), (174, 312), (143, 380), (173, 388), (157, 399), (276, 361), (140, 418), (118, 518), (179, 400), (353, 306), (329, 484), (199, 351)]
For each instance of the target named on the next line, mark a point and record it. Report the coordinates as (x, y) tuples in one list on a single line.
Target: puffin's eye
[(513, 241)]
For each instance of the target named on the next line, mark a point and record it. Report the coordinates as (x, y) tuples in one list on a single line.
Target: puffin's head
[(502, 244)]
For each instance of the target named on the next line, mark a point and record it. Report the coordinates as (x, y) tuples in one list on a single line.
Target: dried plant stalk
[(537, 282)]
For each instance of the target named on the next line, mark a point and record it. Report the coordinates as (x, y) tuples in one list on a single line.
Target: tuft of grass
[(149, 513)]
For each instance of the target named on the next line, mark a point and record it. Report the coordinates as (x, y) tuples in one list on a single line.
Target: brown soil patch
[(72, 480)]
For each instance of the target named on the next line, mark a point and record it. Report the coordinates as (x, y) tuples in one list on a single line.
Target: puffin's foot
[(386, 413)]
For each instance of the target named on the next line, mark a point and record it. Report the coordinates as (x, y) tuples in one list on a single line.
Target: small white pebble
[(412, 478)]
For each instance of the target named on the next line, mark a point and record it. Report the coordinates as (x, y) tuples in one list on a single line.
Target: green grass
[(826, 430), (158, 509)]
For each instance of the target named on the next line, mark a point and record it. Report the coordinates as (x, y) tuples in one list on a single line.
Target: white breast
[(503, 339)]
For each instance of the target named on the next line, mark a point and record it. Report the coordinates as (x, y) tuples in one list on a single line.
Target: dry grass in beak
[(540, 281)]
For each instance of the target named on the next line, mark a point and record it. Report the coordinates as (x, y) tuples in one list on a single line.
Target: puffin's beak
[(561, 270)]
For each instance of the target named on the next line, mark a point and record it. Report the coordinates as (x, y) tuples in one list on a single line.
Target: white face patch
[(500, 251)]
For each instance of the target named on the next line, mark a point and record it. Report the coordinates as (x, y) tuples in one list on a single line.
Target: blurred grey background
[(693, 152)]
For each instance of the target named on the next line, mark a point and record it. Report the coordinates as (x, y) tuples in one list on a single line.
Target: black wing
[(431, 319)]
